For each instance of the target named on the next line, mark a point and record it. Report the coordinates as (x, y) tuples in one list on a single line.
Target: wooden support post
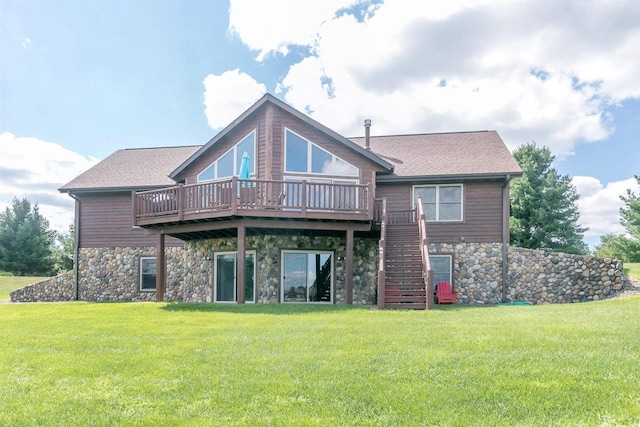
[(240, 265), (348, 273), (161, 269), (134, 210)]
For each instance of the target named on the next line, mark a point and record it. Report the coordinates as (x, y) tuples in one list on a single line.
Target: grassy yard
[(180, 364), (9, 284), (632, 269)]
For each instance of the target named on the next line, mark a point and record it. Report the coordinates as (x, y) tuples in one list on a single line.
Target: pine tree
[(544, 214), (25, 240)]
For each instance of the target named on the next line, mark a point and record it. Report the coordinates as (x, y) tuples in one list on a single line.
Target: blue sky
[(80, 79)]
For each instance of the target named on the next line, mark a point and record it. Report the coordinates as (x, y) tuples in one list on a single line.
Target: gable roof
[(441, 155), (268, 98), (140, 168)]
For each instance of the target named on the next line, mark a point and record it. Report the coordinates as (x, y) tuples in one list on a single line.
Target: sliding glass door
[(225, 277), (307, 276)]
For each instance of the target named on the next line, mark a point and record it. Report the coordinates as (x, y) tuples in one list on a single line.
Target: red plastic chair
[(445, 294)]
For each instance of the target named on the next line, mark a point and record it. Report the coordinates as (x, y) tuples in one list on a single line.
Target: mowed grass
[(9, 284), (632, 269), (179, 364)]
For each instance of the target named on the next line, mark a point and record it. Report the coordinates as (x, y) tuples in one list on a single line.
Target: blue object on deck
[(245, 173)]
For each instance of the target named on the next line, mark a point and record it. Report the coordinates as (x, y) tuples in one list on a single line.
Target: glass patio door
[(307, 276), (225, 277)]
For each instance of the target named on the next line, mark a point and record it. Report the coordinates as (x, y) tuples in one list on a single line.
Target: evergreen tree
[(63, 250), (626, 248), (544, 214), (25, 240)]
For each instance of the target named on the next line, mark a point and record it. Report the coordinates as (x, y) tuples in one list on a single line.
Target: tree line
[(28, 247), (544, 215)]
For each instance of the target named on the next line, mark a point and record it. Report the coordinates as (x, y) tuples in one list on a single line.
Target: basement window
[(441, 267), (148, 274)]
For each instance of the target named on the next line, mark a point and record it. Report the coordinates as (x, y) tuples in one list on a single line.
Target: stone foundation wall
[(113, 274), (477, 270), (199, 255), (58, 288)]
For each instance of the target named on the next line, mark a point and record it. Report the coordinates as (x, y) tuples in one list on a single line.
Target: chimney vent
[(367, 134)]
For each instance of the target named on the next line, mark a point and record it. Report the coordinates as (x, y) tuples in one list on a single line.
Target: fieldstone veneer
[(113, 274), (198, 274), (58, 288)]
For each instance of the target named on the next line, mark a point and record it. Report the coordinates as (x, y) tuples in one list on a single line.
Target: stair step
[(406, 306)]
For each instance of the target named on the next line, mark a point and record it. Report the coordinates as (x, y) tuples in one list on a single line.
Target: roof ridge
[(427, 133), (159, 148)]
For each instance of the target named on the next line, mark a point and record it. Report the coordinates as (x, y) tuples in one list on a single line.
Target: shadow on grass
[(273, 309)]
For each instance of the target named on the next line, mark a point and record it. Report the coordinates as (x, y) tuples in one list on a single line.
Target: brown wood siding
[(482, 216), (282, 120), (105, 221)]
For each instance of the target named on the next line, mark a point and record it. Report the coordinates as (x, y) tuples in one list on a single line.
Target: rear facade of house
[(321, 219)]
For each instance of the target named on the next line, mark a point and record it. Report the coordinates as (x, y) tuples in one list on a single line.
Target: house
[(321, 218)]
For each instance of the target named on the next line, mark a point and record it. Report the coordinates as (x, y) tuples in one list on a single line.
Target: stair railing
[(381, 250), (427, 272)]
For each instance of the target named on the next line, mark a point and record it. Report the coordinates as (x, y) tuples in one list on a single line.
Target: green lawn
[(9, 284), (179, 364), (632, 269)]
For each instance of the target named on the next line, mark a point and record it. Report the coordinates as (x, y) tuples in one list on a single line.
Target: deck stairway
[(404, 284)]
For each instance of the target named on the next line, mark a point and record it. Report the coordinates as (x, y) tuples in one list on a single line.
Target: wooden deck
[(253, 198)]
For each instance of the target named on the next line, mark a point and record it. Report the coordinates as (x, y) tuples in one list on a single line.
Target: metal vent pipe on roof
[(367, 134)]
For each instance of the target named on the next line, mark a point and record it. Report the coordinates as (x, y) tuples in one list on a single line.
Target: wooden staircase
[(404, 284)]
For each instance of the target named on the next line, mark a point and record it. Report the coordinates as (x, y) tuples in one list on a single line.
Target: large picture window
[(307, 276), (228, 164), (441, 267), (440, 202), (303, 156), (225, 276), (147, 274)]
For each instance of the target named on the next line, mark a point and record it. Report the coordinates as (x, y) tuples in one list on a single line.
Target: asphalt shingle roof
[(441, 154), (133, 168)]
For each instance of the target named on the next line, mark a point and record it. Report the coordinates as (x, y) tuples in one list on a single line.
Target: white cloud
[(599, 204), (26, 43), (543, 72), (226, 96), (34, 169)]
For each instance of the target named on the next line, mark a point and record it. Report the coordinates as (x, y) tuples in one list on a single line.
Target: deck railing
[(427, 272), (237, 195)]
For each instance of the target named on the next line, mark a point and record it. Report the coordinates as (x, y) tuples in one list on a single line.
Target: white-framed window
[(442, 268), (224, 273), (440, 202), (228, 164), (307, 276), (147, 273), (304, 157)]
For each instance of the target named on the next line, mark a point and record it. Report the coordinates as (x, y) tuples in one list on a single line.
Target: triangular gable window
[(228, 164), (303, 156)]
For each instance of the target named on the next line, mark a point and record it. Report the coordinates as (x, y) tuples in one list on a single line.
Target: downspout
[(505, 236), (76, 249)]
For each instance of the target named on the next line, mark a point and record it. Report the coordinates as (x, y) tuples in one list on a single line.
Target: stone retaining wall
[(551, 277), (58, 288)]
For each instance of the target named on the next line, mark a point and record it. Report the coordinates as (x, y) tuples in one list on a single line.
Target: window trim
[(437, 187), (235, 278), (235, 160), (309, 159), (142, 259), (307, 252)]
